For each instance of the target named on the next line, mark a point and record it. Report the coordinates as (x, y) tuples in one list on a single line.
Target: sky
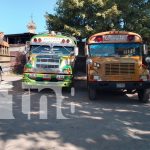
[(16, 14)]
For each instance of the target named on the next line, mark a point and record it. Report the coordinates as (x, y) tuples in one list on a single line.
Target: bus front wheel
[(92, 94), (144, 95)]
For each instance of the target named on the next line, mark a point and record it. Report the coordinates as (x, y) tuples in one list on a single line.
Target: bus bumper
[(39, 83), (110, 85)]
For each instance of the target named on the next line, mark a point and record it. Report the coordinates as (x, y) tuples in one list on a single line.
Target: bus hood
[(117, 59), (116, 68)]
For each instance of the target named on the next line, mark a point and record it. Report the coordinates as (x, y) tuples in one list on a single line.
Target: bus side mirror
[(86, 51), (27, 47), (76, 51), (145, 49)]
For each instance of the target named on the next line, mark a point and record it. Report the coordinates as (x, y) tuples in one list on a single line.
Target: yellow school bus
[(115, 61)]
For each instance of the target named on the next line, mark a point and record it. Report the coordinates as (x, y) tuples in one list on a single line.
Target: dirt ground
[(115, 121)]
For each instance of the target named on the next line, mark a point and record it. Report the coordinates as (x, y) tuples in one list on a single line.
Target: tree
[(20, 62), (84, 17), (136, 14)]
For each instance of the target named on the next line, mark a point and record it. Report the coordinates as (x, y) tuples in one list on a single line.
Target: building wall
[(17, 48), (4, 56)]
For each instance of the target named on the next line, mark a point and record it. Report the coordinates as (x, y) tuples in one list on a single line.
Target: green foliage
[(20, 62), (136, 14), (84, 17)]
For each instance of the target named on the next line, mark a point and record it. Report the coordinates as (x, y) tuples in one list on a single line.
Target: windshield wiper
[(66, 49), (45, 51)]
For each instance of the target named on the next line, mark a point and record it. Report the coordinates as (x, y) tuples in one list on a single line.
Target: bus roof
[(115, 36)]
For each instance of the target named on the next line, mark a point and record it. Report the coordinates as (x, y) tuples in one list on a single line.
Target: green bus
[(51, 59)]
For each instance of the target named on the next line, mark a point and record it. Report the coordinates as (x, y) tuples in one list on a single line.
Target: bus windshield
[(116, 49), (60, 50), (63, 50)]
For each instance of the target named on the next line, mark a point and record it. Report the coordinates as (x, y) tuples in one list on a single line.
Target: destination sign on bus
[(115, 38), (52, 40)]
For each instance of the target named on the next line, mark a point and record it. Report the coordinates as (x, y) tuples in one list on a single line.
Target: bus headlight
[(89, 61), (67, 71), (144, 77), (32, 75), (96, 65)]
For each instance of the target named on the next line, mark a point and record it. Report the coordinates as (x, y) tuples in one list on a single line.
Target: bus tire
[(144, 95), (66, 89), (92, 93)]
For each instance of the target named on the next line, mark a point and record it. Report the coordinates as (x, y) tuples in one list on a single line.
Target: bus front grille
[(120, 69), (47, 66), (47, 62)]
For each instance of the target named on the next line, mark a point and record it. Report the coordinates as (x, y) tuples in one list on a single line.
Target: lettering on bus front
[(115, 37)]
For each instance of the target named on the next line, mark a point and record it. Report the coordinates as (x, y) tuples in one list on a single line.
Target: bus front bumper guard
[(119, 85), (42, 85)]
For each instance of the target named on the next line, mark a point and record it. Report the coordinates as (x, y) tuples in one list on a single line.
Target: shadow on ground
[(113, 122)]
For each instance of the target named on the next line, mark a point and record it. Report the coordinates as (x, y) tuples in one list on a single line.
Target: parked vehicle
[(50, 61), (116, 60)]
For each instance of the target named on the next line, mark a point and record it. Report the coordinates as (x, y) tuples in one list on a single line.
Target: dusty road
[(113, 122)]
